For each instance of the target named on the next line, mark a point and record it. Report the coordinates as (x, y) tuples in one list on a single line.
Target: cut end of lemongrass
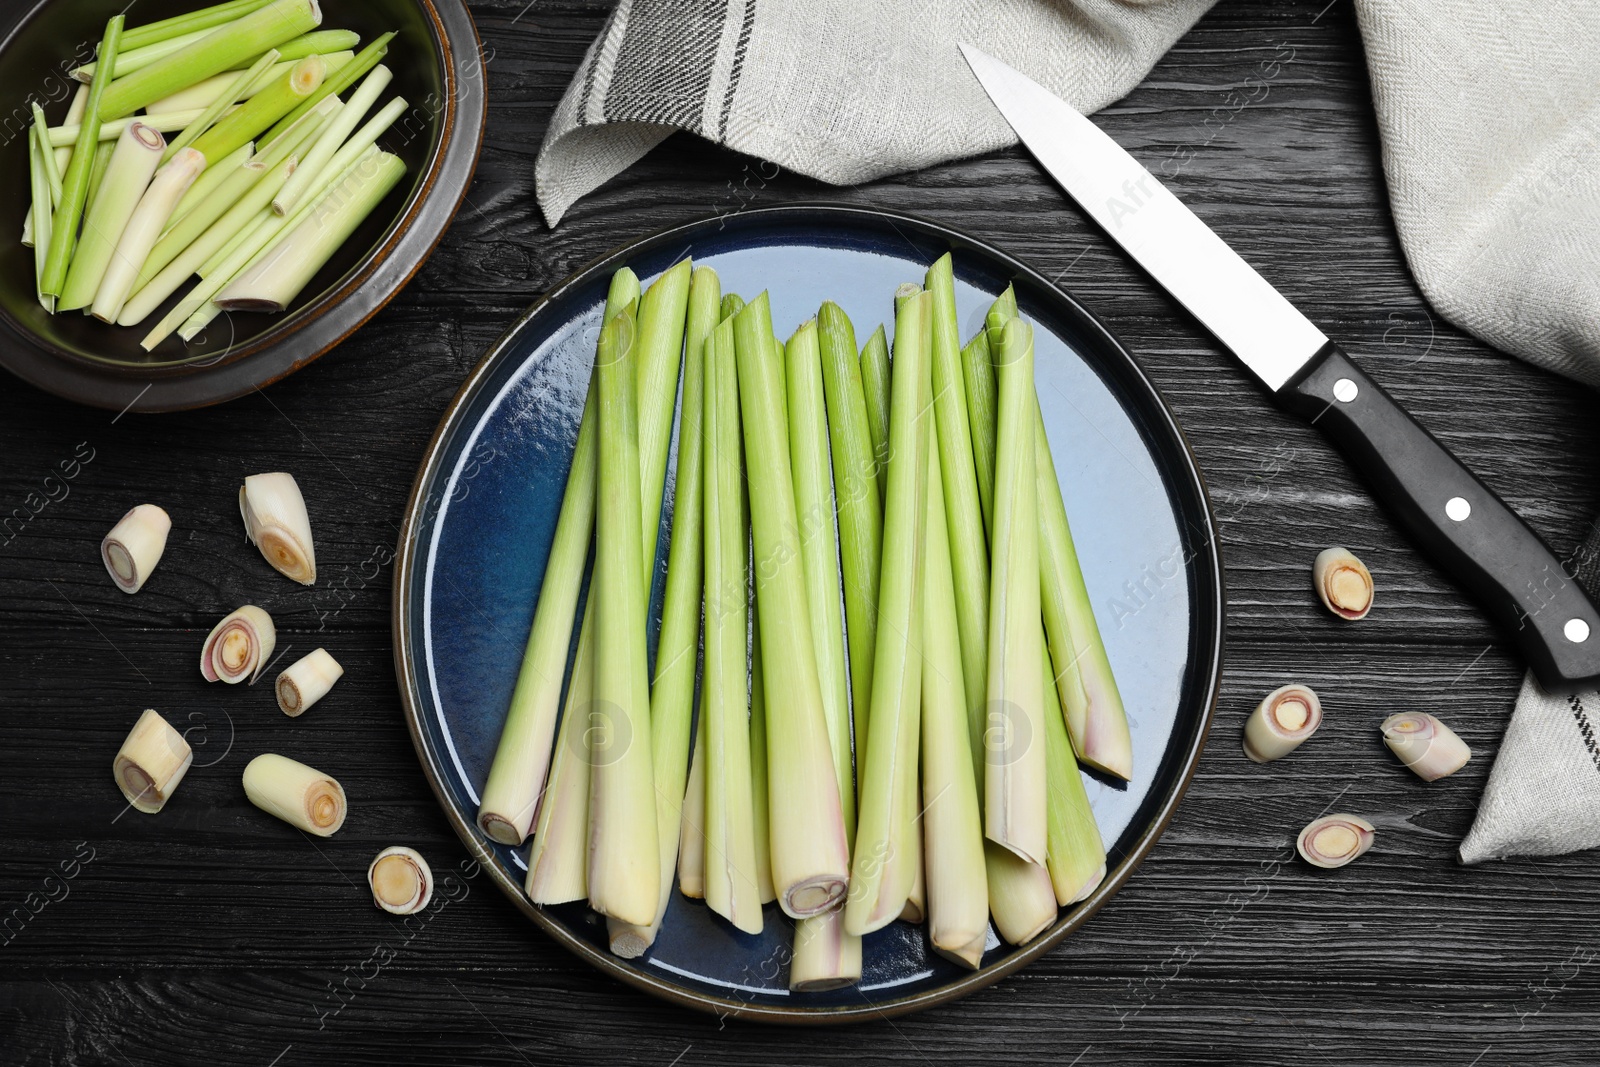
[(239, 647), (134, 546), (295, 793), (1089, 886), (1335, 840), (276, 522), (307, 681), (1344, 585), (1425, 744), (151, 762), (499, 830), (813, 896), (401, 881), (1281, 723), (969, 955), (629, 942)]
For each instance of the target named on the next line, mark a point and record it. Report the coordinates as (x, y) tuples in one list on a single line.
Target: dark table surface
[(212, 933)]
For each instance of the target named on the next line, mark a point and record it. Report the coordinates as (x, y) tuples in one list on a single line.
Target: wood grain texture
[(212, 932)]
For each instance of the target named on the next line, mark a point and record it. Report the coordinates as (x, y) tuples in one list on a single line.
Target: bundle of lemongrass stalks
[(269, 172), (901, 740)]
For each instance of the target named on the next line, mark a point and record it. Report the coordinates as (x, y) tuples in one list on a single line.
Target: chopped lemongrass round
[(1425, 744), (276, 522), (155, 207), (1335, 840), (307, 681), (401, 881), (1281, 722), (295, 793), (151, 762), (134, 546), (239, 647), (1343, 583)]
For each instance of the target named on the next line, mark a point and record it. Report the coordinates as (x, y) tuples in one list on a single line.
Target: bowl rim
[(458, 124), (1210, 613)]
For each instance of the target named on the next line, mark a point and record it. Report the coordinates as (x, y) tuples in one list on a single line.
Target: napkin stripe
[(745, 29), (643, 89), (1586, 729)]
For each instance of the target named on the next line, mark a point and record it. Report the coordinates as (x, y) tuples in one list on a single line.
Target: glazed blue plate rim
[(1122, 375)]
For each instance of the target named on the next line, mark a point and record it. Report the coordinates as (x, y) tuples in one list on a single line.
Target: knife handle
[(1458, 521)]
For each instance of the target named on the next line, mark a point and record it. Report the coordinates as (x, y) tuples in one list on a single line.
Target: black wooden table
[(213, 934)]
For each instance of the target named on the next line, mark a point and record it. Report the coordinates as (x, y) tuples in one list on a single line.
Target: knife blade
[(1467, 530)]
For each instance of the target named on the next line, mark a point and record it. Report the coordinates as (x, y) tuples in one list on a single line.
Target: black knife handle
[(1456, 519)]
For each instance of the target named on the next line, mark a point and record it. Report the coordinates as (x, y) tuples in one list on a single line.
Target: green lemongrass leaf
[(75, 180), (875, 387)]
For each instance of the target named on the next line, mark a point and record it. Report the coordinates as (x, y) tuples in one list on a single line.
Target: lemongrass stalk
[(1022, 898), (952, 822), (760, 779), (691, 831), (299, 795), (1075, 853), (662, 312), (825, 955), (151, 762), (819, 546), (213, 112), (130, 60), (875, 386), (226, 45), (316, 43), (255, 230), (672, 691), (335, 84), (128, 175), (1096, 719), (732, 889), (1015, 793), (969, 553), (511, 792), (75, 182), (882, 874), (247, 122), (143, 228), (168, 122), (204, 19), (274, 281), (983, 400), (201, 94), (558, 857), (40, 217), (624, 854), (732, 304), (97, 169), (810, 853), (73, 117), (47, 157), (210, 180), (332, 137)]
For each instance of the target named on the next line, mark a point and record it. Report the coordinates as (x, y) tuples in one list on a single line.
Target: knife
[(1460, 522)]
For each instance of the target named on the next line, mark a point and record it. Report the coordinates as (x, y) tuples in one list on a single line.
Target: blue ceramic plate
[(484, 508)]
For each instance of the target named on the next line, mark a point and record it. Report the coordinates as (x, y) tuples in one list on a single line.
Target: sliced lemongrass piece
[(624, 854), (875, 385), (401, 880), (316, 43), (883, 869), (1281, 722), (151, 762), (328, 142), (133, 163), (855, 481), (297, 794), (211, 180), (97, 170), (691, 833), (155, 207), (256, 233), (1344, 585), (336, 84), (662, 311), (1096, 718), (130, 60), (1022, 898), (204, 19), (73, 117), (134, 546), (52, 169), (952, 822), (1015, 790), (810, 853), (760, 780), (169, 122), (1076, 853), (214, 110), (558, 857), (76, 181), (202, 94), (1425, 744), (250, 120), (909, 842), (307, 681), (239, 647), (231, 43), (275, 521), (523, 756), (40, 219), (1334, 840), (825, 955), (732, 888)]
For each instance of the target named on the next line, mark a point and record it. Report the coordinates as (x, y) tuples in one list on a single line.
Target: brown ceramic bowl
[(439, 69)]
